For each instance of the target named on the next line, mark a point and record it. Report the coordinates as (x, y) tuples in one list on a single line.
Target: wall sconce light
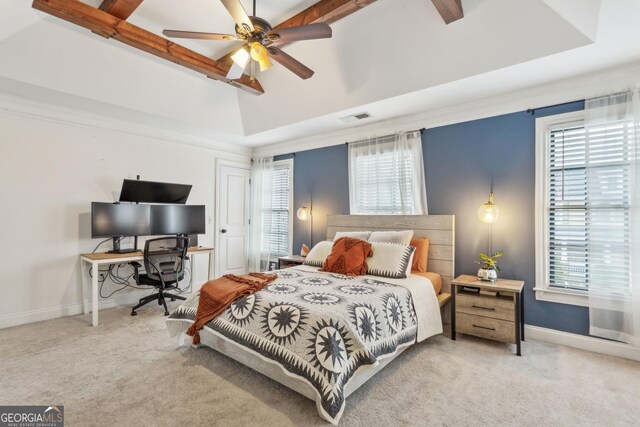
[(489, 212), (304, 213)]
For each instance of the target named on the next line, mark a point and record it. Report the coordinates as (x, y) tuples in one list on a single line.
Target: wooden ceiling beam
[(450, 10), (120, 8), (109, 26), (328, 11)]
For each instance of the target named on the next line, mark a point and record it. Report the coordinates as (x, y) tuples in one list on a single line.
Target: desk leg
[(84, 284), (453, 311), (94, 294)]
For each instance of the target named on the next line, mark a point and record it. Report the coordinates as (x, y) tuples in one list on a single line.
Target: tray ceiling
[(390, 51)]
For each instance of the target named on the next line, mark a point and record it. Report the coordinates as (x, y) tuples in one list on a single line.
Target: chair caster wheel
[(166, 313), (133, 313), (159, 302), (173, 299)]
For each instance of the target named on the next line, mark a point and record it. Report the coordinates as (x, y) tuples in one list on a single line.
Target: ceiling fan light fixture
[(241, 57), (258, 52), (265, 64)]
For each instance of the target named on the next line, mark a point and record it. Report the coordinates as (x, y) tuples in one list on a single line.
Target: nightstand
[(290, 261), (493, 310)]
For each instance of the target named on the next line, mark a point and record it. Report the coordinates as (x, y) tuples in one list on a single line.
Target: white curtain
[(386, 175), (260, 227), (615, 313)]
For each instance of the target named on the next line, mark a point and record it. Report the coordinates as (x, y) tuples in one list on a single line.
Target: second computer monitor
[(177, 219)]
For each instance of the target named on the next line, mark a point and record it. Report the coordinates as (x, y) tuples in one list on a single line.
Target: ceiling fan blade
[(235, 9), (198, 35), (320, 30), (290, 63)]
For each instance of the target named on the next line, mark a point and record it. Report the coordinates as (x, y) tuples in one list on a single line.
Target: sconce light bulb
[(304, 213), (489, 212)]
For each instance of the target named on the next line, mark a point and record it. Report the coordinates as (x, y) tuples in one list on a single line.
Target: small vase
[(304, 251), (488, 275)]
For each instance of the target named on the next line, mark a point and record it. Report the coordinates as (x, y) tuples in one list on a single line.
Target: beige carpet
[(127, 372)]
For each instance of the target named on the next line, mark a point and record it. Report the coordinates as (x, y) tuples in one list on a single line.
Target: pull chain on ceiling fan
[(258, 39)]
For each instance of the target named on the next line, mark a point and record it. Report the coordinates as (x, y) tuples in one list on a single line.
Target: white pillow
[(318, 254), (402, 237), (362, 235), (391, 260)]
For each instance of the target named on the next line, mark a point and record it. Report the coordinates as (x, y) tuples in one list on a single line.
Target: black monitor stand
[(116, 246)]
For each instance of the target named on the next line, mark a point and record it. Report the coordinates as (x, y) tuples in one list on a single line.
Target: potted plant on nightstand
[(488, 266)]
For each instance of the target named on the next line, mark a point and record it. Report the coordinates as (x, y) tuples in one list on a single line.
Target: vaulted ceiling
[(393, 57)]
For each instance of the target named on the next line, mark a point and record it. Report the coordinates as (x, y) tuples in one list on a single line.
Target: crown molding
[(23, 107), (566, 90)]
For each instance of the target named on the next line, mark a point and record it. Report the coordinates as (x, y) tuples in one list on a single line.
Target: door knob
[(224, 230)]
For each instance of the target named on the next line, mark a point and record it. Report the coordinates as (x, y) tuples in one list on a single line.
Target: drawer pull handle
[(483, 308), (484, 327)]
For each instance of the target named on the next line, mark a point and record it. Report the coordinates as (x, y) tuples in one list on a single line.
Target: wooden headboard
[(439, 229)]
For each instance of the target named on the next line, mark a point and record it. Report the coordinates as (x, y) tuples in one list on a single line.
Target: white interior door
[(232, 219)]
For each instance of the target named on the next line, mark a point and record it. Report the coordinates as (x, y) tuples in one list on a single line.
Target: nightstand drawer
[(485, 327), (488, 306)]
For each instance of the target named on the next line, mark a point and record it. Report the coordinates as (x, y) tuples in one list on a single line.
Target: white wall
[(50, 171), (64, 57)]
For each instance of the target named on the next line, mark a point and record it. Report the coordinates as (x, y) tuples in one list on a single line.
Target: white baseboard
[(582, 342), (129, 299)]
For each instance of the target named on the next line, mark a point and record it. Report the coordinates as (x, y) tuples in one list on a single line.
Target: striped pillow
[(391, 260), (318, 254)]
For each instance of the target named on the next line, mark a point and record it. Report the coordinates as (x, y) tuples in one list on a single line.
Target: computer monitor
[(177, 219), (138, 191), (119, 219)]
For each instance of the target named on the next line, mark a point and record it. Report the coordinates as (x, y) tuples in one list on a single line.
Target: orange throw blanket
[(218, 294)]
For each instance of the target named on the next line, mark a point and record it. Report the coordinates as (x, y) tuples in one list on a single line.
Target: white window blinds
[(277, 239), (386, 176), (588, 206)]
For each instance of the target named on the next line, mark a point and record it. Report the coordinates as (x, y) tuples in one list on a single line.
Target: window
[(386, 176), (582, 208), (277, 219)]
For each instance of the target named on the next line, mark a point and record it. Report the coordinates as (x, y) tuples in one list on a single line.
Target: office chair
[(164, 259)]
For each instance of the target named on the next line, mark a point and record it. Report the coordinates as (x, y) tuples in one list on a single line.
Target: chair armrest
[(136, 265)]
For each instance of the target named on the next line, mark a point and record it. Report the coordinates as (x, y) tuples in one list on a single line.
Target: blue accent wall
[(463, 163), (320, 177)]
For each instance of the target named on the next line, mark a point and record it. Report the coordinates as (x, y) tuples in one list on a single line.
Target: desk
[(95, 260)]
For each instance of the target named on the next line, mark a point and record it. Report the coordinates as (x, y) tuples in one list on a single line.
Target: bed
[(323, 334)]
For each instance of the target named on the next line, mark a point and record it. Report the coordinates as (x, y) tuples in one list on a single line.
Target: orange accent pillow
[(348, 256), (421, 255), (434, 278)]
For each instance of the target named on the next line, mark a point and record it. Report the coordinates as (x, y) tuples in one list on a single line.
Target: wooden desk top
[(105, 256), (506, 285)]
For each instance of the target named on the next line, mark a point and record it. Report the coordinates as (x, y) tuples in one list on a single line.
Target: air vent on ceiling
[(355, 117)]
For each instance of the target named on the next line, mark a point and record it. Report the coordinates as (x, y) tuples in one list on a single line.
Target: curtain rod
[(532, 111), (421, 130)]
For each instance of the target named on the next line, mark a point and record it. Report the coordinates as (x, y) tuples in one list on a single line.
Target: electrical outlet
[(102, 276)]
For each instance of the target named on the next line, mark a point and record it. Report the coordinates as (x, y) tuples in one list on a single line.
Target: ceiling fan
[(259, 38)]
